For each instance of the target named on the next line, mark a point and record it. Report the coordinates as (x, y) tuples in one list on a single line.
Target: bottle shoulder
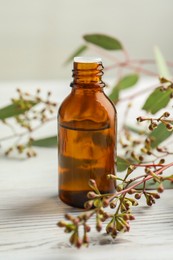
[(87, 107)]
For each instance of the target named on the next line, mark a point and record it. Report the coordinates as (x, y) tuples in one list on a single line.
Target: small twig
[(26, 132), (140, 182)]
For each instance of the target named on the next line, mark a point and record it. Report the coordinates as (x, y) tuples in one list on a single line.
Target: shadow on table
[(48, 211), (49, 205)]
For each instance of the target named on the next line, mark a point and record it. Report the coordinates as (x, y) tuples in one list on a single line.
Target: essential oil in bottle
[(86, 135)]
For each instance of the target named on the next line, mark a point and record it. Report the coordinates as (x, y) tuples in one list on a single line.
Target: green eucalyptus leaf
[(122, 164), (77, 52), (127, 81), (159, 135), (103, 41), (14, 110), (114, 95), (50, 141), (161, 64), (157, 100), (136, 130)]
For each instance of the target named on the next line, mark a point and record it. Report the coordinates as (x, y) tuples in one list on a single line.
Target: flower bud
[(87, 228), (68, 216), (131, 217), (85, 239), (105, 203), (132, 191), (144, 150), (126, 217), (140, 119), (166, 114), (99, 226), (119, 187), (159, 149), (138, 196), (112, 205), (78, 243), (88, 204), (109, 227), (92, 182), (141, 158), (61, 224), (156, 195), (169, 127), (149, 202), (106, 215), (114, 233), (160, 189), (91, 195), (162, 161)]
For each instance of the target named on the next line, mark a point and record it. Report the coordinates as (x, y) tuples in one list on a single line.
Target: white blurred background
[(36, 36)]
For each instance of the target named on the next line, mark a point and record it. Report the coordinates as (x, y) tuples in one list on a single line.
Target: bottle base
[(76, 199)]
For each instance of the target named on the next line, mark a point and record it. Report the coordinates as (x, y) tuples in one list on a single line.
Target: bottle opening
[(87, 59)]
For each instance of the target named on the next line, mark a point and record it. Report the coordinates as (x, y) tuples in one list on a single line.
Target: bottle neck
[(87, 75)]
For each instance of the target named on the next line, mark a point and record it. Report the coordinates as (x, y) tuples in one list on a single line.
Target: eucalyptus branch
[(31, 112), (119, 202)]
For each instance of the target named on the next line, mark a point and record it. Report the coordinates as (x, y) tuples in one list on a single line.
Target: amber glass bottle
[(86, 134)]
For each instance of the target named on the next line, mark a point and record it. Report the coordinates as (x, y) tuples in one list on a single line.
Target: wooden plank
[(30, 209)]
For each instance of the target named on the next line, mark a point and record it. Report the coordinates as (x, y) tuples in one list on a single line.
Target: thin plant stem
[(140, 182), (26, 132)]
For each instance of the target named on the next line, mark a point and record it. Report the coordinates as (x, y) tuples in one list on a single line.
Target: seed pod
[(120, 187), (160, 189), (132, 191), (112, 205), (126, 217), (156, 195), (144, 150), (147, 141), (114, 233), (85, 239), (68, 216), (61, 224), (105, 203), (159, 149), (166, 114), (106, 215), (169, 127), (78, 243), (88, 204), (141, 158), (91, 195), (138, 196), (162, 161), (150, 127), (92, 182), (99, 226), (134, 156), (109, 227), (149, 202), (130, 169), (131, 217), (140, 119)]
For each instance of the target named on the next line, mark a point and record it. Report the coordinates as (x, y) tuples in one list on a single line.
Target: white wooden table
[(30, 209)]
